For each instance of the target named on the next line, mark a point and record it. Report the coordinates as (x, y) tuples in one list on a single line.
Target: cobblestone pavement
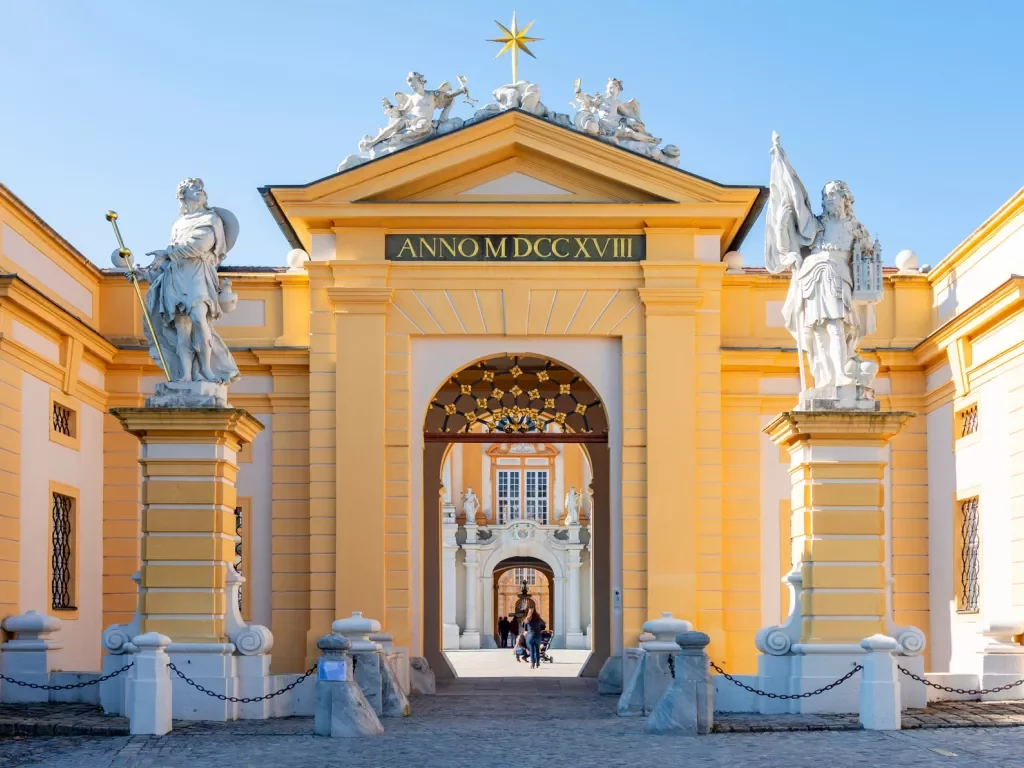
[(459, 729)]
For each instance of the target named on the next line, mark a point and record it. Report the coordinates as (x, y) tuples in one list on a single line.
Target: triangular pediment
[(515, 185), (539, 169)]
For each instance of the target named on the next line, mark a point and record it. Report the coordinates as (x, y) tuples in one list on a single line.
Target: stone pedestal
[(647, 671), (189, 465), (880, 685), (188, 394), (574, 637), (687, 706), (837, 463), (151, 708), (29, 657), (341, 711)]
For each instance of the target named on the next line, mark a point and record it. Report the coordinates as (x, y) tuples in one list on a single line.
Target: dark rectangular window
[(63, 547), (970, 546), (62, 420), (238, 552), (969, 420)]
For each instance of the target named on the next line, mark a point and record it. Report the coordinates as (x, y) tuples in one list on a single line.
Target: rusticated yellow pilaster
[(189, 465), (837, 461)]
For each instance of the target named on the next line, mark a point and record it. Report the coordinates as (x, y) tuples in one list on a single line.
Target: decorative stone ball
[(692, 639), (666, 628), (334, 643), (119, 261), (906, 261), (733, 262), (297, 259)]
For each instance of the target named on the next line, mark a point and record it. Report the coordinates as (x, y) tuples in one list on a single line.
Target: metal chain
[(69, 687), (857, 668), (233, 699), (967, 691)]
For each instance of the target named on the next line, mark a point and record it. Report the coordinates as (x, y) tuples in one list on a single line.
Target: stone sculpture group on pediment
[(411, 117)]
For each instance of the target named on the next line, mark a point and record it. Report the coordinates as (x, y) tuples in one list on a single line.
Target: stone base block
[(189, 394), (113, 692), (913, 695), (398, 658), (421, 677), (852, 397), (470, 640), (394, 702), (370, 678), (254, 680), (1002, 666), (450, 637), (807, 671), (343, 712), (609, 679), (211, 665), (576, 641)]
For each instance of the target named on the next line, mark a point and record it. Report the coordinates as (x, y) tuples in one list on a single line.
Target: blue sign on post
[(332, 670)]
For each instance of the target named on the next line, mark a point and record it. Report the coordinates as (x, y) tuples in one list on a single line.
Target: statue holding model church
[(836, 282)]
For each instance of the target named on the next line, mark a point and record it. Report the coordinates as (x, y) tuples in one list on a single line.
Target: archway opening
[(515, 484)]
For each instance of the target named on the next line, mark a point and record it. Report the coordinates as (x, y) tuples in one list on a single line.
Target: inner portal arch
[(515, 400)]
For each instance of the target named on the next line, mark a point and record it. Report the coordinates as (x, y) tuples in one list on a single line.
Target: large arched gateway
[(515, 468)]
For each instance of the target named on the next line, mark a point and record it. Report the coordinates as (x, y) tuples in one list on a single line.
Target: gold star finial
[(514, 40)]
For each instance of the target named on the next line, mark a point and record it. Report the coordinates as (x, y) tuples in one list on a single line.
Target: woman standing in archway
[(533, 626)]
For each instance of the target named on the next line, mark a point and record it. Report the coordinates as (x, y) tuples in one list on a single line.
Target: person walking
[(533, 626), (503, 631), (513, 627)]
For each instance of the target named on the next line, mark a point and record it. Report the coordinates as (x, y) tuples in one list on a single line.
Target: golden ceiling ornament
[(467, 389), (581, 408), (450, 409), (471, 417), (516, 371), (564, 389), (481, 402), (542, 376), (533, 394), (560, 418), (488, 376), (516, 391), (497, 394), (549, 403)]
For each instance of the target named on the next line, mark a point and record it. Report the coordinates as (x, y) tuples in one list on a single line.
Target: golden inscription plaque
[(514, 248)]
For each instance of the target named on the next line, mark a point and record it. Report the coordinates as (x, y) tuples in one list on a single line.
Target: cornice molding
[(361, 300)]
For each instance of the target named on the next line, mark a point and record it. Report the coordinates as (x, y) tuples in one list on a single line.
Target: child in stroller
[(545, 641)]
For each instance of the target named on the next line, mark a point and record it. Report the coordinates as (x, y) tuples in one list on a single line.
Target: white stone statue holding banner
[(836, 282), (186, 297)]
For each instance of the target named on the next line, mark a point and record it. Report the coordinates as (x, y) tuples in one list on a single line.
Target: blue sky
[(918, 106)]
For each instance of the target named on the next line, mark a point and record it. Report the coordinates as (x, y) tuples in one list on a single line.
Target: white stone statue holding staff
[(185, 297), (836, 282), (470, 505)]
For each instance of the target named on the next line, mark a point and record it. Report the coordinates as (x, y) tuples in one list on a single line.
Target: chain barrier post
[(879, 686), (28, 657), (151, 694), (342, 710)]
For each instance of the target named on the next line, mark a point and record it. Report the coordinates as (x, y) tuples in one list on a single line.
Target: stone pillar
[(366, 661), (449, 548), (880, 685), (151, 689), (573, 635), (341, 710), (28, 657), (360, 314), (837, 461), (687, 707), (471, 635), (189, 465)]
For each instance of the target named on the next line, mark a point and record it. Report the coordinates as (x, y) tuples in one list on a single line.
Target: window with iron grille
[(968, 418), (529, 575), (62, 417), (970, 561), (238, 552), (63, 549)]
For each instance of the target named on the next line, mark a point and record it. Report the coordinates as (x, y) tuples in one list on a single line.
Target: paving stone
[(459, 730)]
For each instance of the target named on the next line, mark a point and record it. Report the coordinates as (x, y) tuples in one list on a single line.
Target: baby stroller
[(545, 641)]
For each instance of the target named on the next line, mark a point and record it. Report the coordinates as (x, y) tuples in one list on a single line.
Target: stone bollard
[(421, 677), (646, 673), (27, 657), (880, 685), (150, 712), (687, 708), (341, 709), (373, 672)]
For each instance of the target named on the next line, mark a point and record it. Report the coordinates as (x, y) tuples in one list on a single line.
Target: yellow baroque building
[(515, 244)]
